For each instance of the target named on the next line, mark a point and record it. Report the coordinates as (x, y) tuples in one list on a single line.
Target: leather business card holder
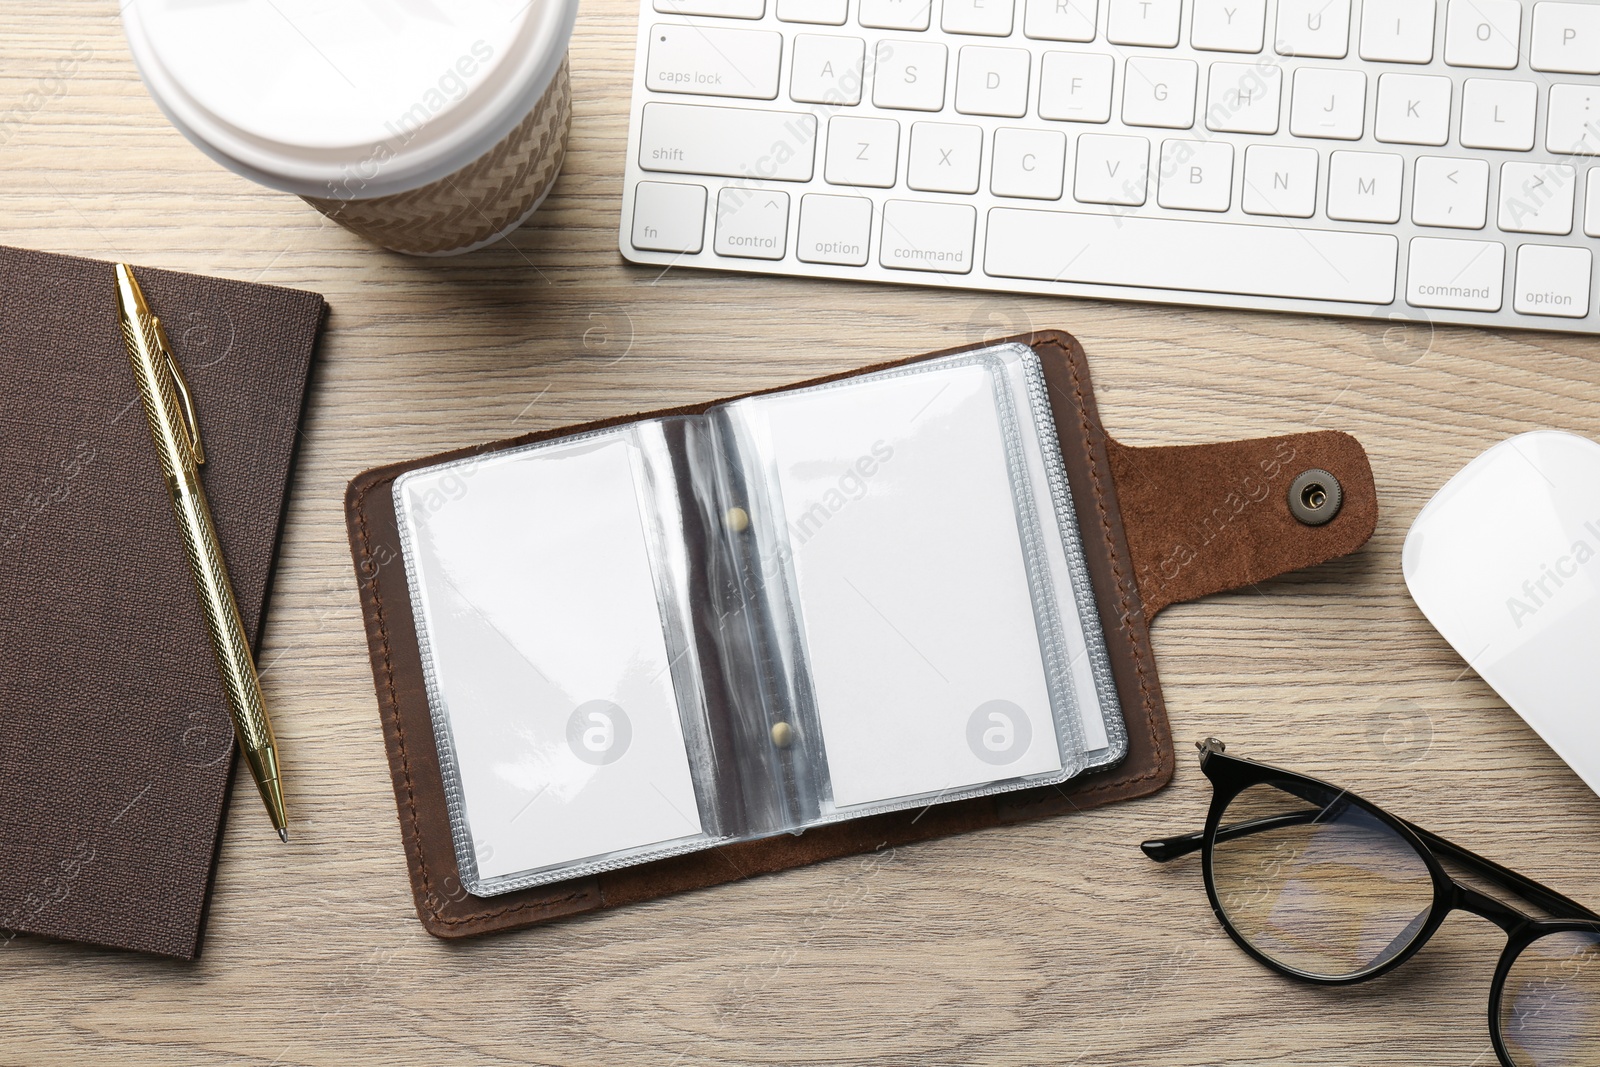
[(1158, 526)]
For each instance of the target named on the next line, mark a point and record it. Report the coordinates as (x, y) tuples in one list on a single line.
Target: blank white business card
[(545, 648), (911, 584)]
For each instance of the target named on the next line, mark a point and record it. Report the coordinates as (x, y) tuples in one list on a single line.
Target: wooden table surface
[(1050, 943)]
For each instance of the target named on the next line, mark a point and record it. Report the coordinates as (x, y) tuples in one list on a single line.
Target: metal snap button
[(1315, 497)]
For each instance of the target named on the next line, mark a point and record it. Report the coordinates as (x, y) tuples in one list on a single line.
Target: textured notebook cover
[(115, 742), (1160, 526)]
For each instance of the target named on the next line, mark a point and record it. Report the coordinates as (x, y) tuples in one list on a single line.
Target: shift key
[(713, 62), (731, 142)]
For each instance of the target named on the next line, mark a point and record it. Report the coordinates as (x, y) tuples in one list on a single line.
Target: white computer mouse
[(1505, 562)]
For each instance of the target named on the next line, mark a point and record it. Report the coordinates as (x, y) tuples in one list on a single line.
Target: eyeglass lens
[(1317, 883), (1550, 1005)]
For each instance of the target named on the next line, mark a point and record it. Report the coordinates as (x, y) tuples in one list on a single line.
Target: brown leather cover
[(115, 740), (1159, 525)]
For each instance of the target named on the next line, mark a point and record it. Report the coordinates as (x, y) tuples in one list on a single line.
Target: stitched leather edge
[(1092, 433), (428, 895)]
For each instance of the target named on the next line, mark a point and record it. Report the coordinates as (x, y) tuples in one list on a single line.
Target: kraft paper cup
[(430, 133)]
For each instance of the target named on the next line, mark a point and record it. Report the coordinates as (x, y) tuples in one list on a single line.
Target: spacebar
[(1207, 257)]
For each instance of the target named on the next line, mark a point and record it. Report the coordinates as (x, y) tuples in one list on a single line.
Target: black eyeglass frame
[(1232, 775)]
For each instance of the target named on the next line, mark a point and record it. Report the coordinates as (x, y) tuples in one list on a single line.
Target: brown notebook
[(1157, 526), (115, 741)]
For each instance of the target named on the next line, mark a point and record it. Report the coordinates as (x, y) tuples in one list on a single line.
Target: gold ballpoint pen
[(176, 433)]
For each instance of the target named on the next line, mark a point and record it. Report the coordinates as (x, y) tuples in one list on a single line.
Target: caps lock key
[(713, 62)]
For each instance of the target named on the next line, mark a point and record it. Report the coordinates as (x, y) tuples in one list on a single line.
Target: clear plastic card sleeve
[(794, 609)]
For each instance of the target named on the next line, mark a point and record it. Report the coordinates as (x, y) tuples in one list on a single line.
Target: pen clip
[(191, 423)]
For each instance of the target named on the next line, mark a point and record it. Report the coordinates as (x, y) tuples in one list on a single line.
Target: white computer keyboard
[(1364, 157)]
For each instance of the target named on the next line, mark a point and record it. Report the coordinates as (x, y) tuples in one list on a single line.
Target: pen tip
[(284, 834), (129, 295)]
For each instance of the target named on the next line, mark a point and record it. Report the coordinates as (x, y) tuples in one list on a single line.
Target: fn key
[(668, 217)]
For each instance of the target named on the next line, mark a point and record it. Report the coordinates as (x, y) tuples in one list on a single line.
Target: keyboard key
[(1328, 103), (1111, 169), (1566, 38), (1466, 275), (944, 157), (1413, 109), (1450, 192), (992, 81), (1280, 181), (1553, 281), (988, 18), (668, 217), (1536, 197), (931, 237), (862, 152), (1228, 25), (1028, 163), (1060, 20), (727, 9), (893, 14), (1397, 31), (1591, 204), (818, 12), (752, 224), (1318, 29), (728, 141), (1196, 175), (1483, 33), (1146, 22), (1496, 113), (834, 229), (1159, 92), (1244, 98), (1574, 121), (714, 62), (1075, 86), (909, 75), (826, 70), (1365, 186), (1279, 261)]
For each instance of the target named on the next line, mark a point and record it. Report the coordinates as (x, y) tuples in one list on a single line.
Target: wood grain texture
[(1055, 942)]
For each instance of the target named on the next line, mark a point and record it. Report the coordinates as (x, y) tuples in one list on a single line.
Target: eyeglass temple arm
[(1162, 849), (1556, 904)]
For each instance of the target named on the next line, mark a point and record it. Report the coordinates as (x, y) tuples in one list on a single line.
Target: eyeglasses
[(1323, 886)]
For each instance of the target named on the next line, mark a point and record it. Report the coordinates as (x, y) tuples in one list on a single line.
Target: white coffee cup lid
[(343, 99)]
